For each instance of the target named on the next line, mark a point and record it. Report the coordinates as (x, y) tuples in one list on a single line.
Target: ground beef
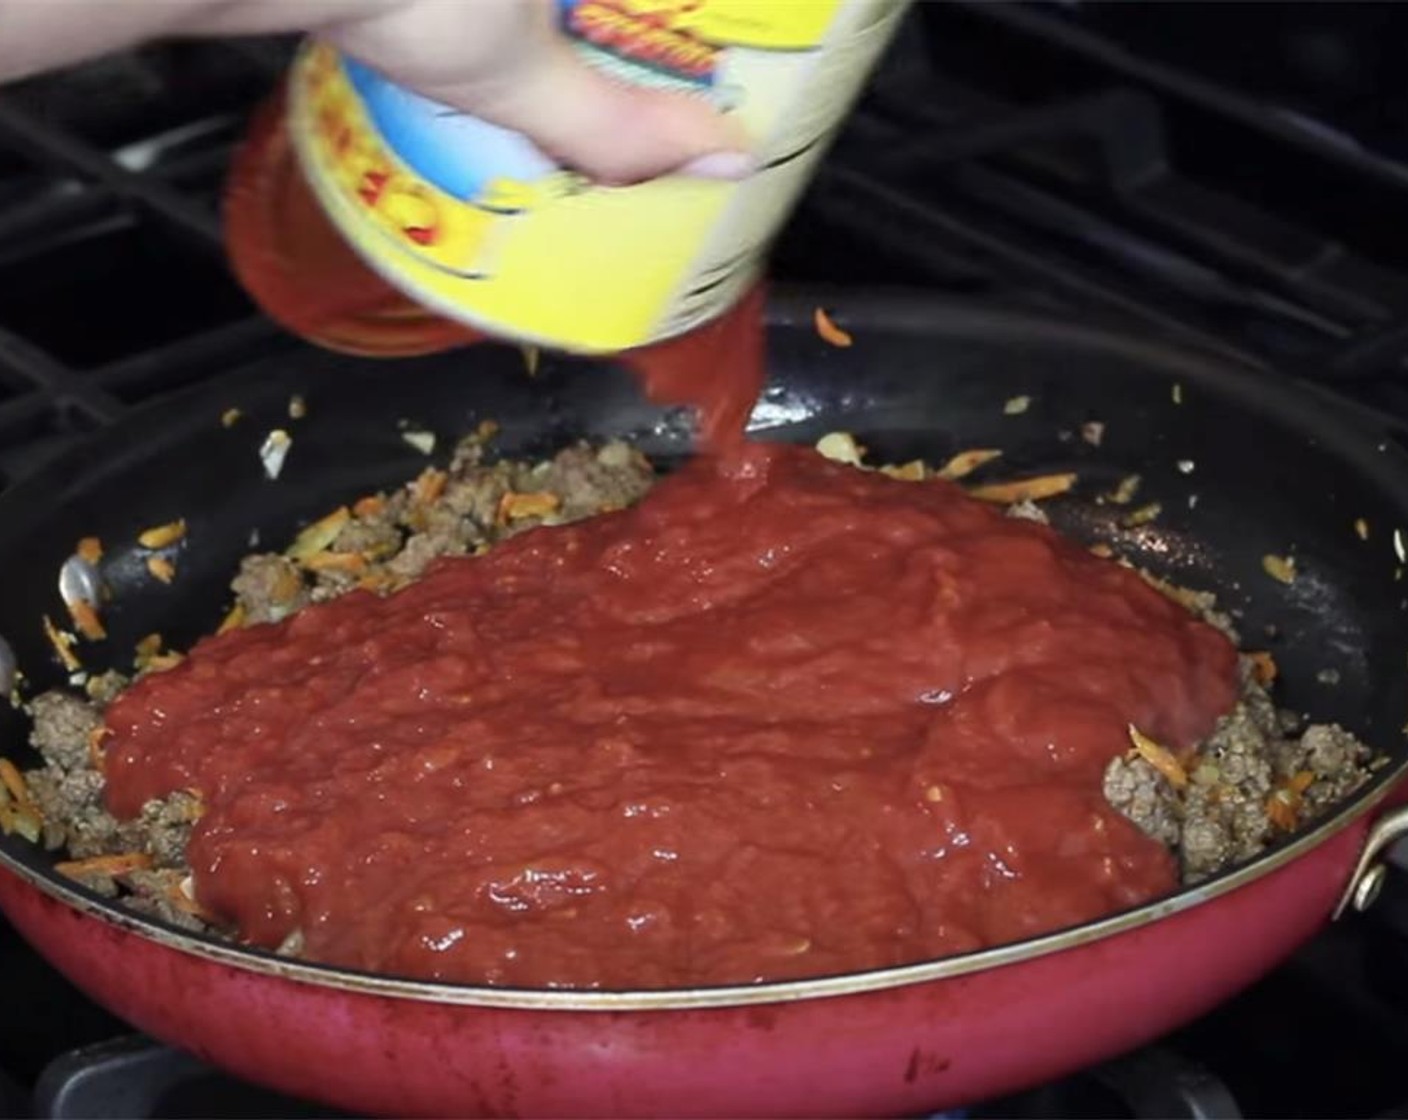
[(421, 549), (269, 587), (163, 829), (589, 481), (374, 535), (1225, 812), (68, 791), (1224, 806), (155, 893), (399, 535), (1217, 817), (1338, 761), (1139, 791), (74, 817), (62, 724)]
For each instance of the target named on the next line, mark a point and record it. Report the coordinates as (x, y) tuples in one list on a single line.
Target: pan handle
[(1367, 879)]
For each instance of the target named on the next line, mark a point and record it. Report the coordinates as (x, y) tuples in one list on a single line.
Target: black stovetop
[(1234, 176)]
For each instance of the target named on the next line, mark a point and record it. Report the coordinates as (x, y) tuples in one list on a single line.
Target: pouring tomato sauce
[(783, 718), (305, 276)]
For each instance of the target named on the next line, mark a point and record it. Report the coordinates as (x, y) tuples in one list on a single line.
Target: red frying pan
[(1278, 466)]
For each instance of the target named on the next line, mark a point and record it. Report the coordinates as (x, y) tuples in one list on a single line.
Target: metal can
[(474, 222)]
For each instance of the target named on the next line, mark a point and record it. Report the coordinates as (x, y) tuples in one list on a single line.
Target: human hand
[(504, 61), (501, 60)]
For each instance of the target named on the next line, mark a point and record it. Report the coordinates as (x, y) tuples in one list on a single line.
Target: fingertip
[(620, 134), (727, 166)]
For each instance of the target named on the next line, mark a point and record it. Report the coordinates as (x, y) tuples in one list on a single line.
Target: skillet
[(1277, 468)]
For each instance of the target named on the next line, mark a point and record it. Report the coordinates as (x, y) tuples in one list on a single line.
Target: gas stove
[(1233, 177)]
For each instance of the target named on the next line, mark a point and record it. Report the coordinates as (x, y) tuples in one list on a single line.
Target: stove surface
[(1142, 170)]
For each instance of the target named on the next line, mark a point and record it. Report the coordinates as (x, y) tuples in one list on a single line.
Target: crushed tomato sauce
[(782, 718)]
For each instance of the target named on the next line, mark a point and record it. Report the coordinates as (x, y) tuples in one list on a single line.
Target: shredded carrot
[(319, 535), (429, 486), (146, 649), (1160, 758), (486, 430), (1263, 667), (86, 619), (163, 536), (1024, 490), (841, 447), (377, 582), (966, 462), (1280, 568), (515, 507), (914, 471), (1142, 516), (13, 781), (829, 331), (184, 902), (121, 864), (148, 655), (16, 819), (287, 584), (353, 562), (380, 551), (1124, 493), (233, 620), (95, 747), (63, 645), (1281, 809), (161, 568), (369, 506), (90, 549)]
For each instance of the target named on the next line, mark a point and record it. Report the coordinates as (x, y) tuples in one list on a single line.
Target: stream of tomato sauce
[(783, 718)]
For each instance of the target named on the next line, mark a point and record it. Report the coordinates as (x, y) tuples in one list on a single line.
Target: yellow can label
[(475, 222)]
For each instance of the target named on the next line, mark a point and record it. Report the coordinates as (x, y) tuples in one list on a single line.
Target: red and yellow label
[(655, 38), (353, 160), (474, 222)]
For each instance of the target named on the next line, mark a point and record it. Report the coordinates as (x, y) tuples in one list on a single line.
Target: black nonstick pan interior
[(1243, 464)]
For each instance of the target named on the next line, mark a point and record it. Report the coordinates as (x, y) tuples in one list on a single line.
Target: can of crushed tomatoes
[(474, 222)]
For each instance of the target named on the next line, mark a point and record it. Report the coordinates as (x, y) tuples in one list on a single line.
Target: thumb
[(618, 133)]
